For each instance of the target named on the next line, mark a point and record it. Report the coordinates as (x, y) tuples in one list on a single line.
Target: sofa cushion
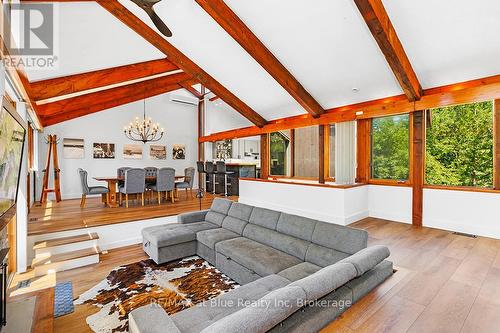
[(151, 318), (260, 258), (234, 224), (340, 238), (262, 315), (265, 217), (368, 258), (299, 271), (212, 236), (296, 226), (212, 310), (326, 280), (220, 205), (215, 218), (323, 256), (288, 244), (172, 234), (240, 211)]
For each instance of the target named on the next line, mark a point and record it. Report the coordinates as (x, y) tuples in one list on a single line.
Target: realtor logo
[(30, 34)]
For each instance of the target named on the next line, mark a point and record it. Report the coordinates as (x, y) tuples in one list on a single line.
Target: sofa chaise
[(296, 274)]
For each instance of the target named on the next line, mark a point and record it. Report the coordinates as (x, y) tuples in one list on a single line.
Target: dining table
[(112, 199)]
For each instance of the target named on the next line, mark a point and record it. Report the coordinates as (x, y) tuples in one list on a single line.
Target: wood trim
[(211, 99), (235, 27), (479, 90), (201, 130), (461, 188), (264, 156), (7, 216), (292, 152), (363, 147), (385, 35), (418, 166), (389, 182), (303, 184), (71, 84), (181, 60), (192, 91), (496, 147), (326, 161), (321, 154)]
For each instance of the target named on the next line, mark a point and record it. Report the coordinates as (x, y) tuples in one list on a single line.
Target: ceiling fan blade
[(147, 6)]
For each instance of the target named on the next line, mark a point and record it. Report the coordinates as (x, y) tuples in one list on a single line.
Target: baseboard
[(356, 217), (390, 216), (464, 228)]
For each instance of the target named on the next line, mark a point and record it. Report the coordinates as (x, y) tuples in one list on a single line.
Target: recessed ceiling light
[(355, 90)]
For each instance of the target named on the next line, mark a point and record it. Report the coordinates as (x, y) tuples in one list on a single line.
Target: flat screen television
[(12, 135)]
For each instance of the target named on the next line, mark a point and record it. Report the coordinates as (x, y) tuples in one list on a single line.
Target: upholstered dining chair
[(150, 172), (90, 190), (188, 181), (135, 183), (165, 182), (120, 173)]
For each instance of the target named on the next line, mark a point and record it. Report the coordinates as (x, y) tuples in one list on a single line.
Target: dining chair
[(89, 190), (211, 173), (201, 171), (150, 172), (135, 183), (188, 181), (120, 173), (165, 182)]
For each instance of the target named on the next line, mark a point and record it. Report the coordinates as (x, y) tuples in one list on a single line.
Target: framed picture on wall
[(104, 150), (179, 152), (73, 148), (158, 152), (132, 152)]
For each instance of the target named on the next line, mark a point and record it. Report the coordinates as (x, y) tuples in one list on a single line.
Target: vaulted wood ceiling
[(264, 60)]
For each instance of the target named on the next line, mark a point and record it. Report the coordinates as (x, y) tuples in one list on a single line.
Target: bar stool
[(221, 170), (211, 172), (201, 170)]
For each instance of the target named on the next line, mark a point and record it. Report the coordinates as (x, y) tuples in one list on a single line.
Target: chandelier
[(143, 130)]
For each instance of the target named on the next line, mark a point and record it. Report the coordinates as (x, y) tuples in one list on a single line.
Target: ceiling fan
[(147, 6)]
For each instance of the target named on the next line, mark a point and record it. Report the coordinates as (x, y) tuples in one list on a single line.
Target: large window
[(459, 149), (390, 157), (280, 146), (306, 152)]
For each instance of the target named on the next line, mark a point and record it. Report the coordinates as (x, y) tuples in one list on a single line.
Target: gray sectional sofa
[(296, 274)]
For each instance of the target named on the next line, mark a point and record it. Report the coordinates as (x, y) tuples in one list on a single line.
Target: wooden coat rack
[(52, 142)]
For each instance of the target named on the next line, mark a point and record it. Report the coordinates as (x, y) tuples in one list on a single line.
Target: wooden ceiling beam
[(235, 27), (192, 90), (479, 90), (70, 84), (181, 60), (385, 35), (101, 100)]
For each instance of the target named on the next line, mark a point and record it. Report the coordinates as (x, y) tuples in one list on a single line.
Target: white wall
[(470, 212), (336, 205), (390, 202), (179, 121), (220, 117)]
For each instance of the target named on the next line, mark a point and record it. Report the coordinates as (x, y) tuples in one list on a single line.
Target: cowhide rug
[(175, 286)]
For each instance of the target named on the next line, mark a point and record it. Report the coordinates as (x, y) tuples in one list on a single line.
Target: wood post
[(292, 152), (417, 165), (321, 151), (264, 156), (363, 150), (496, 143)]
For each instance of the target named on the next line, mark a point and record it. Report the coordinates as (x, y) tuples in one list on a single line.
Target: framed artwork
[(132, 152), (158, 152), (104, 150), (179, 152), (73, 148)]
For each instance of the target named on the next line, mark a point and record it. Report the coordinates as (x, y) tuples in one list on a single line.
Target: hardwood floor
[(67, 214), (443, 283)]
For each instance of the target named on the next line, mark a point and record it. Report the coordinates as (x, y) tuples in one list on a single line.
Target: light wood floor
[(67, 214), (444, 283)]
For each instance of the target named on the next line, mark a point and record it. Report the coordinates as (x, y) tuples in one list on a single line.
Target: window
[(280, 146), (390, 141), (306, 152), (459, 150), (331, 172)]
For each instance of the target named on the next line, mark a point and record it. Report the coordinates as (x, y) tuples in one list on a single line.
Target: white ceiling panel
[(448, 41), (325, 44), (90, 38), (199, 37)]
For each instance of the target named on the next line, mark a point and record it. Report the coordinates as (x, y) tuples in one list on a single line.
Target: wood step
[(49, 259), (65, 240)]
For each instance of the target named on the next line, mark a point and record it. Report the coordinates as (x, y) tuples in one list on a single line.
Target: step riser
[(67, 247), (67, 264)]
